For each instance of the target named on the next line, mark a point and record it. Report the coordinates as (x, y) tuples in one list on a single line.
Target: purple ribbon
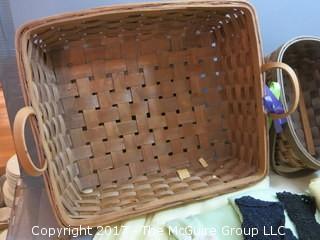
[(273, 105)]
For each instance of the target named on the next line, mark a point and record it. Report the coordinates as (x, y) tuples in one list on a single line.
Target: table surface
[(32, 207)]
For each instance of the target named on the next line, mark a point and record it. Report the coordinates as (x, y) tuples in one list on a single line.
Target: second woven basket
[(297, 149)]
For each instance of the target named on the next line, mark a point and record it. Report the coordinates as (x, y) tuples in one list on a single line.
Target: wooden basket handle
[(295, 84), (20, 142)]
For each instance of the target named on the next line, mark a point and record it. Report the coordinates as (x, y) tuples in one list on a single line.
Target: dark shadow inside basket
[(139, 97), (304, 58)]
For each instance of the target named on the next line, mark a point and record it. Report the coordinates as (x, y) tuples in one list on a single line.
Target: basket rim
[(24, 32), (126, 7), (280, 54)]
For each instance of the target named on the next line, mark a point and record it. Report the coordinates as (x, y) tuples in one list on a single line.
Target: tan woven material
[(297, 149), (128, 97)]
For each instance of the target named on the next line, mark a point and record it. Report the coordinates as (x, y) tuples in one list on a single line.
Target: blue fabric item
[(262, 218), (301, 209), (273, 105)]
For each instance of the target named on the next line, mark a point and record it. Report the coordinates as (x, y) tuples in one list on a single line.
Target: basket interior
[(304, 57), (130, 98)]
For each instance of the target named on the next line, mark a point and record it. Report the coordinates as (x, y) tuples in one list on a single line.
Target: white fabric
[(314, 189)]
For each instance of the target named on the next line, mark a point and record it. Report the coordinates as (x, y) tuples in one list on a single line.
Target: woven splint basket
[(297, 149), (142, 107)]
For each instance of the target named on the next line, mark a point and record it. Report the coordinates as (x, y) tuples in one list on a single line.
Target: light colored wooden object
[(203, 162), (7, 148)]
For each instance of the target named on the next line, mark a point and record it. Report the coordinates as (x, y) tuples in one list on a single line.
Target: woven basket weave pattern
[(290, 156), (128, 99)]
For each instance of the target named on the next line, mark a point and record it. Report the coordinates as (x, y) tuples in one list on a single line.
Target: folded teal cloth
[(219, 224)]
